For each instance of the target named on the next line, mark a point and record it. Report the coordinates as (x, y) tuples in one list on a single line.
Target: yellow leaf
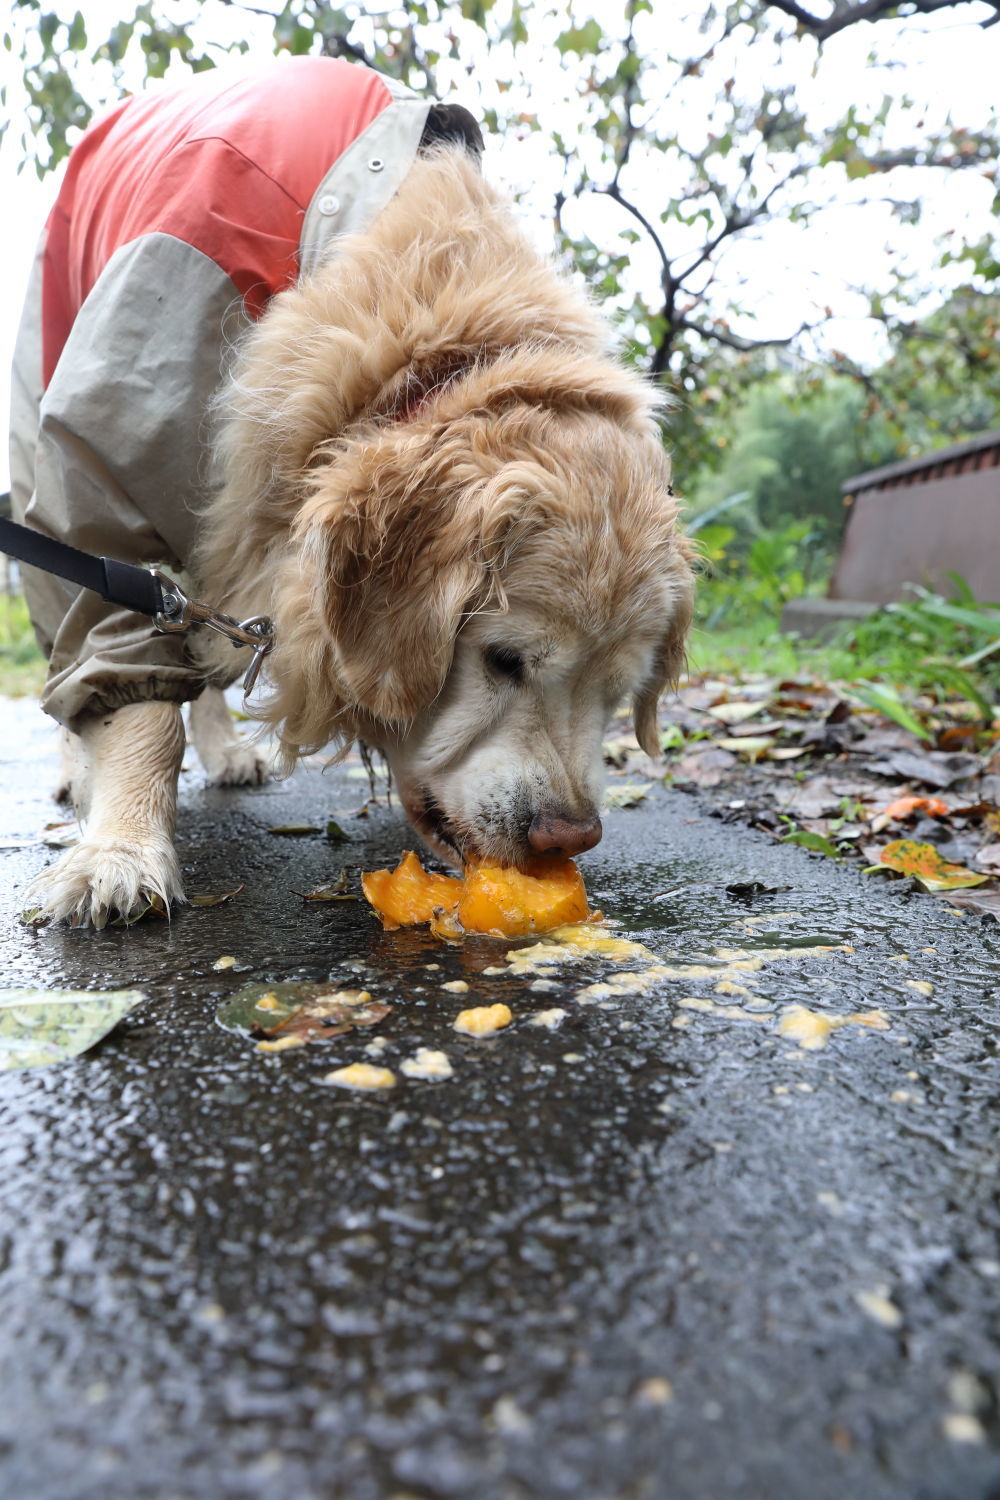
[(753, 746), (926, 864)]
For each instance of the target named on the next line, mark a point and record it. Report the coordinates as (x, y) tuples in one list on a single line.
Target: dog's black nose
[(551, 834)]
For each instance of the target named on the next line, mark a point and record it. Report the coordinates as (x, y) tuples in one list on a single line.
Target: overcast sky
[(944, 64)]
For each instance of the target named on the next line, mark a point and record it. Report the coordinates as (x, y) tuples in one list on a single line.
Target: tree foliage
[(671, 166)]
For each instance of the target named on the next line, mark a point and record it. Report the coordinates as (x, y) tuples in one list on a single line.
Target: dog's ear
[(396, 546), (392, 612), (668, 662)]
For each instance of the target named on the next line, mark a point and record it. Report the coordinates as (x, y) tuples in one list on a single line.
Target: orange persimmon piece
[(905, 807), (409, 894), (490, 899), (512, 903)]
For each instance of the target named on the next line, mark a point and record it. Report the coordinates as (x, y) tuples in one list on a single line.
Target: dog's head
[(475, 589)]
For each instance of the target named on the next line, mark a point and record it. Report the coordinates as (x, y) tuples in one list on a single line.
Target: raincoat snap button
[(328, 204), (376, 164)]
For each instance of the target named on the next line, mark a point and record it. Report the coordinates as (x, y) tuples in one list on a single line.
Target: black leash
[(147, 591), (117, 582)]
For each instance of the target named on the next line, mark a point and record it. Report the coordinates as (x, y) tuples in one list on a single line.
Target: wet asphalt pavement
[(660, 1252)]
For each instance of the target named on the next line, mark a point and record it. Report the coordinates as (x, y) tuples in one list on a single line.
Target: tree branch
[(718, 335), (614, 192), (844, 15), (629, 97)]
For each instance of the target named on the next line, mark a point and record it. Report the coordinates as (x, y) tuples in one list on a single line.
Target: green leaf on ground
[(817, 841), (38, 1027), (292, 1013)]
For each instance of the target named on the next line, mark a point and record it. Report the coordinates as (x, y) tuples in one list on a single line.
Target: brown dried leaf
[(707, 767), (935, 768), (979, 903), (217, 900)]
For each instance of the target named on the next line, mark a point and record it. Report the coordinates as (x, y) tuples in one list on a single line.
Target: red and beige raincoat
[(181, 214)]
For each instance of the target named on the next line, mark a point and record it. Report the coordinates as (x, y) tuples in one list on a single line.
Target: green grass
[(925, 646), (757, 647), (22, 665)]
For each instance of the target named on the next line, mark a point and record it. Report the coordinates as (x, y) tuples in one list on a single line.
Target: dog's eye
[(504, 661)]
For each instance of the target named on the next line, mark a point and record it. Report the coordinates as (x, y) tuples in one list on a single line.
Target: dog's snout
[(551, 834)]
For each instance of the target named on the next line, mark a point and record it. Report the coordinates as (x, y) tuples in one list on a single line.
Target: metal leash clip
[(180, 613)]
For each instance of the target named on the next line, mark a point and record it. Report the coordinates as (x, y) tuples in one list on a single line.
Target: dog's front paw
[(237, 763), (106, 877)]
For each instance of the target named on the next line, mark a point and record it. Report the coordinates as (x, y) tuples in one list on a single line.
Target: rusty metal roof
[(939, 459)]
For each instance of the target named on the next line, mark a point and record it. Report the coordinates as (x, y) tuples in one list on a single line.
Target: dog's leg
[(228, 758), (71, 770), (126, 855)]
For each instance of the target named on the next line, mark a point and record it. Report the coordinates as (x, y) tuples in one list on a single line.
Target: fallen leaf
[(905, 807), (308, 1011), (734, 712), (38, 1027), (335, 833), (884, 739), (816, 841), (989, 857), (155, 907), (295, 830), (796, 706), (630, 794), (748, 890), (217, 900), (957, 737), (925, 863), (61, 835), (980, 903), (705, 767), (935, 768), (616, 751), (752, 746), (335, 891), (818, 797)]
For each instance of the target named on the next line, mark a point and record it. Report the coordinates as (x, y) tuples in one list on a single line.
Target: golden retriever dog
[(455, 503)]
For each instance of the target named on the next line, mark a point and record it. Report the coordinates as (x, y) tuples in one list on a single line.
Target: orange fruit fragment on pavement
[(512, 903), (409, 894), (490, 899)]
